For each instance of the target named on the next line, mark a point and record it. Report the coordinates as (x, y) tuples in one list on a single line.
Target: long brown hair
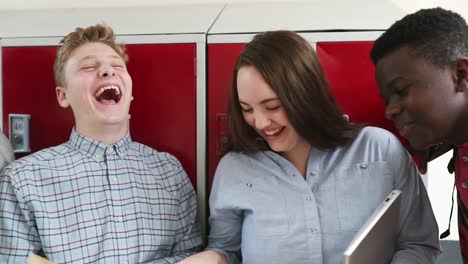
[(290, 66)]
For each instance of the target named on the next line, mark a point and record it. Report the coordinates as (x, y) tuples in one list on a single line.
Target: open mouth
[(274, 132), (108, 94)]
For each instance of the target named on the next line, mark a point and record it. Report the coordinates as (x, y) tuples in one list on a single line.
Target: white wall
[(34, 4), (409, 6), (440, 192), (459, 6)]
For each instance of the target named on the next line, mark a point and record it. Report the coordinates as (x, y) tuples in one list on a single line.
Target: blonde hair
[(99, 33)]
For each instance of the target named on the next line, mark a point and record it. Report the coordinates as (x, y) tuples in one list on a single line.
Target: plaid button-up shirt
[(88, 202)]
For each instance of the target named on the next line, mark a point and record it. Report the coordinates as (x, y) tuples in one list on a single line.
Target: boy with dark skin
[(422, 74)]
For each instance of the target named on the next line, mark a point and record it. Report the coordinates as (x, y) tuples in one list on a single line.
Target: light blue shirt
[(263, 210)]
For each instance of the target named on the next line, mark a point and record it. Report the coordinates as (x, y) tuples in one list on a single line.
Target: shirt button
[(465, 158), (464, 185), (312, 173), (110, 151), (313, 230), (308, 198), (363, 166), (114, 178), (120, 219)]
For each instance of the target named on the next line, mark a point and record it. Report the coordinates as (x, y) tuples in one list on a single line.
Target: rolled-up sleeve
[(225, 219)]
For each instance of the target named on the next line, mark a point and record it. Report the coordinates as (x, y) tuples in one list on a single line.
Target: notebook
[(375, 241)]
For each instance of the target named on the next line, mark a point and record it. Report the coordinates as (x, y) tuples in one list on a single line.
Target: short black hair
[(439, 35)]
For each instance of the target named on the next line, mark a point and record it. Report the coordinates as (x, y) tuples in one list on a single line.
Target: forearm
[(36, 259), (173, 259), (206, 257)]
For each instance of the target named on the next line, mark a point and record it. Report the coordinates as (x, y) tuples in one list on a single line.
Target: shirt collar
[(96, 149), (313, 164)]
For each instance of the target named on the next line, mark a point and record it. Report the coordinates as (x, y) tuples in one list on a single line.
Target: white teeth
[(272, 132), (102, 89)]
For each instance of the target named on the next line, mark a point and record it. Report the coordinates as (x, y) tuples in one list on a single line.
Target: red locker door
[(163, 112), (350, 73), (221, 61), (164, 107), (29, 88)]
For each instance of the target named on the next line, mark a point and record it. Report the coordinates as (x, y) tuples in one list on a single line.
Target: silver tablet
[(375, 241)]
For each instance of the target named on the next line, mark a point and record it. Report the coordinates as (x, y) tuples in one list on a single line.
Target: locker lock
[(19, 132)]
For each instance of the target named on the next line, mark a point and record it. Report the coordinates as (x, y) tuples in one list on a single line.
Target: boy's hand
[(35, 259)]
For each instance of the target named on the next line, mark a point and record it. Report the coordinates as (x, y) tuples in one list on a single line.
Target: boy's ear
[(62, 96), (462, 74)]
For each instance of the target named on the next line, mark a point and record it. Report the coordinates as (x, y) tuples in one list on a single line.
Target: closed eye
[(402, 91), (246, 110), (88, 67), (273, 108)]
